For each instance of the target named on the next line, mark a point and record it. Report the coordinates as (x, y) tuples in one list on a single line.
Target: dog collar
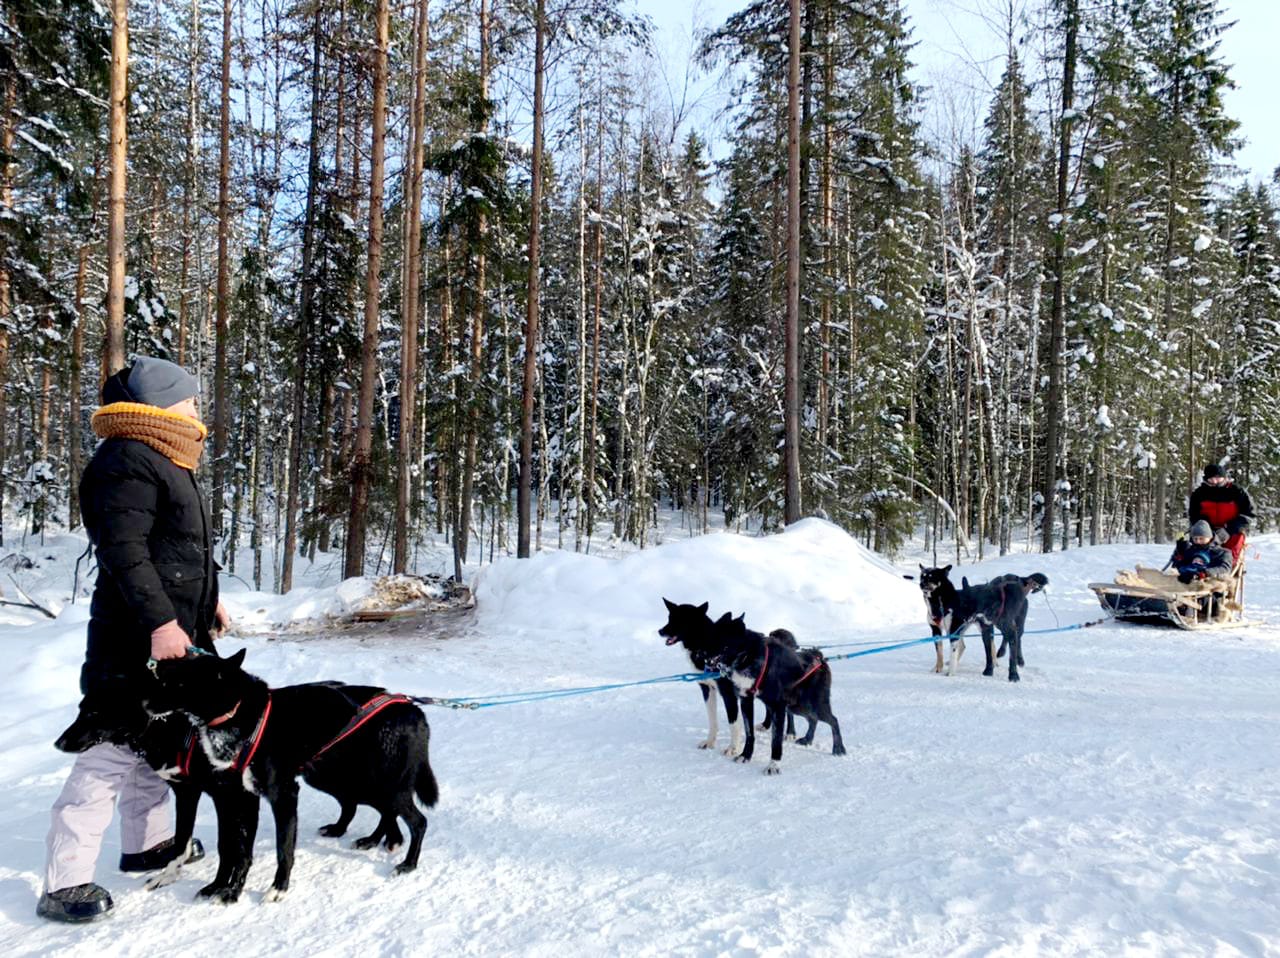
[(214, 723)]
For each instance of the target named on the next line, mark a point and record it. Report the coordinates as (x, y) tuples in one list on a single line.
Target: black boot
[(157, 856), (86, 902)]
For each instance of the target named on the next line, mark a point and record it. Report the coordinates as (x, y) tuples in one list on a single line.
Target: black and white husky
[(690, 626), (1000, 603), (784, 678)]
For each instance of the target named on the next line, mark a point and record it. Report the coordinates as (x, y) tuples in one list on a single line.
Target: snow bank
[(813, 579)]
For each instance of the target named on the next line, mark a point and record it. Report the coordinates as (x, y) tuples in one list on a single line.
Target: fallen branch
[(30, 603)]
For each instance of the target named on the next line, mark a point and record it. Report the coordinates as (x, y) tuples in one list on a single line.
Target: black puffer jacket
[(150, 528)]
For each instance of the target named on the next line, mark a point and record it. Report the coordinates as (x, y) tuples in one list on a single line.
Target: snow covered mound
[(813, 579)]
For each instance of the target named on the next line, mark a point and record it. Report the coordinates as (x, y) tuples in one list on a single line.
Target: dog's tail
[(1034, 582), (424, 784)]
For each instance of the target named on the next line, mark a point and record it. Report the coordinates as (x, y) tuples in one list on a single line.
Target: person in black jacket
[(156, 595), (1224, 505)]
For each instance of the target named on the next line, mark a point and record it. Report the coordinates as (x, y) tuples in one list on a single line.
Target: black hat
[(1213, 470)]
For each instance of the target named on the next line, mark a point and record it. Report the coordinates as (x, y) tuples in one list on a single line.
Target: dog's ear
[(671, 606), (922, 568), (946, 570), (725, 619), (236, 661), (703, 608), (964, 582)]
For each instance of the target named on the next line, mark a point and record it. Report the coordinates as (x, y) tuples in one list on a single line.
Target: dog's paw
[(224, 894), (807, 740), (1014, 677), (730, 751), (332, 831), (403, 868), (988, 671), (364, 844), (772, 769), (936, 669), (1021, 663), (838, 750), (742, 758), (168, 875), (709, 743), (274, 894)]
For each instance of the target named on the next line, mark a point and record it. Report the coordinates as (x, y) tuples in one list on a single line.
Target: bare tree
[(360, 460), (791, 415), (409, 298), (113, 346), (531, 317), (1057, 321), (222, 295)]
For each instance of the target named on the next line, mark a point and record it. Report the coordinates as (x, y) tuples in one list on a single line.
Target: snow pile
[(813, 579), (257, 612)]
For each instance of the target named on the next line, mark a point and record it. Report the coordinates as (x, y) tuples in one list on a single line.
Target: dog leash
[(472, 702)]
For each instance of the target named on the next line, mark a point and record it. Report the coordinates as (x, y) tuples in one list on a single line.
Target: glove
[(1222, 535), (1202, 575), (1186, 577), (1238, 524)]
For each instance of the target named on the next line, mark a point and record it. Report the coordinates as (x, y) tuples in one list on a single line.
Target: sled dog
[(1000, 603), (780, 676), (357, 743)]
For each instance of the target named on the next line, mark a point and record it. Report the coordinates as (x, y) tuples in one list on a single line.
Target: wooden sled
[(1152, 597)]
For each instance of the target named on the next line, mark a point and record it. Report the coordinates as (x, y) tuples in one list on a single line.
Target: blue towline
[(472, 702)]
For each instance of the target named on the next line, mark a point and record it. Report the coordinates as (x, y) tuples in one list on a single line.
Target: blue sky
[(956, 48)]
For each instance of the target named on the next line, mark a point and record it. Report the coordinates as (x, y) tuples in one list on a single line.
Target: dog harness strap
[(764, 668), (363, 714), (186, 752), (813, 668), (251, 747)]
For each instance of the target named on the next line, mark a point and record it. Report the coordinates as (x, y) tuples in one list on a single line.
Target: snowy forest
[(467, 270)]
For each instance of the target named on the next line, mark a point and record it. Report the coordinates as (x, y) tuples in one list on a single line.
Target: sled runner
[(1153, 597)]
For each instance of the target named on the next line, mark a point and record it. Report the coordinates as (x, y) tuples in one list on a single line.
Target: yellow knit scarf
[(171, 434)]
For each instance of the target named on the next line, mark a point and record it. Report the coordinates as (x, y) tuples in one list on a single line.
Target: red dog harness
[(763, 669), (363, 714)]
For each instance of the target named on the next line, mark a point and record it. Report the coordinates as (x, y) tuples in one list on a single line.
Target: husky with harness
[(1000, 603)]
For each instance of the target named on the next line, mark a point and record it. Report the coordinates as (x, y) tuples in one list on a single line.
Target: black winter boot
[(87, 902), (157, 856)]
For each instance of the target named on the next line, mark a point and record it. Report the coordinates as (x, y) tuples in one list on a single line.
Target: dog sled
[(1153, 597)]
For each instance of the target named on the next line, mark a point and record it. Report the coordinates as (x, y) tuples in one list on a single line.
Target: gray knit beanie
[(1201, 528), (158, 382)]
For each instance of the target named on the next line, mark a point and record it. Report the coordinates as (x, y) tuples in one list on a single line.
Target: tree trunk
[(305, 310), (791, 413), (409, 296), (477, 323), (7, 120), (222, 297), (113, 358), (1057, 321), (523, 499), (74, 442), (360, 465)]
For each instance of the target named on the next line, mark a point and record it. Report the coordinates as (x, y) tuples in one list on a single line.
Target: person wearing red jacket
[(1224, 505)]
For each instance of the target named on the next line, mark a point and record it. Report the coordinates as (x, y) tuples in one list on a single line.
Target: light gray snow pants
[(83, 811)]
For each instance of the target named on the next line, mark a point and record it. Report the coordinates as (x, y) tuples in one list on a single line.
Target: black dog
[(783, 678), (257, 741), (690, 626), (1000, 603)]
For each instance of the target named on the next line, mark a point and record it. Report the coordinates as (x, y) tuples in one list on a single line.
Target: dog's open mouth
[(672, 639)]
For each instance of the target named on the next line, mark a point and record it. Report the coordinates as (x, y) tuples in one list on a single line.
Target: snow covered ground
[(1122, 799)]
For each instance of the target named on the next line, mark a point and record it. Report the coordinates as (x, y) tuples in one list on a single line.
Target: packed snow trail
[(1121, 798)]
